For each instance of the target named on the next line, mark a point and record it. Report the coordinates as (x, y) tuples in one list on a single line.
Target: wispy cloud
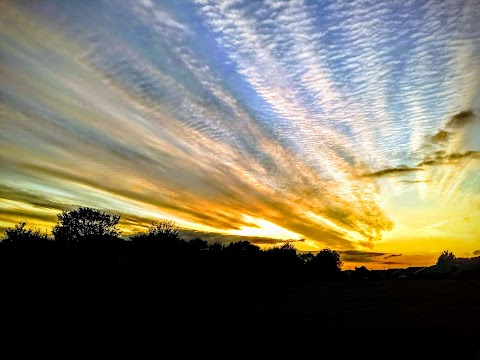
[(392, 255), (394, 171), (443, 152)]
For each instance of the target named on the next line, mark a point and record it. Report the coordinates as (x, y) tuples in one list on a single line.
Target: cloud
[(153, 16), (441, 137), (393, 171), (451, 158), (360, 256), (438, 156), (476, 252), (392, 255), (16, 215), (461, 119), (31, 198), (415, 181)]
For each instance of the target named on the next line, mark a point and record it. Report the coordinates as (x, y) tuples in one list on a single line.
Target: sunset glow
[(348, 125)]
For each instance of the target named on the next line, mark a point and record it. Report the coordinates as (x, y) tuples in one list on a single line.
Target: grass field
[(406, 318), (395, 319)]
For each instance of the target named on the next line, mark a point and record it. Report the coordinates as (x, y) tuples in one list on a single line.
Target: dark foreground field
[(404, 319), (393, 319)]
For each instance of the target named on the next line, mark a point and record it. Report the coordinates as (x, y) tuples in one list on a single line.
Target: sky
[(348, 125)]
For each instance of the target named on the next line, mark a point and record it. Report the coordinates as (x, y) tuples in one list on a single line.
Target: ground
[(404, 319)]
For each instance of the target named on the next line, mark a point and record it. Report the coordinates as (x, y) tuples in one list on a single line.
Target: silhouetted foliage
[(216, 247), (325, 264), (19, 233), (188, 285), (306, 257), (446, 257), (242, 247), (86, 241), (198, 244), (360, 273), (282, 261), (161, 251), (85, 222), (164, 229), (161, 236), (23, 249)]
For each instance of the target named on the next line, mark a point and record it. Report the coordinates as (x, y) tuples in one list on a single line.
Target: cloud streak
[(441, 153)]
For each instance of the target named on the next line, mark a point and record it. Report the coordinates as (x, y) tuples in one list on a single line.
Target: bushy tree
[(446, 257), (285, 248), (285, 254), (19, 233), (282, 262), (164, 228), (306, 257), (85, 222), (242, 248), (360, 273), (198, 244), (216, 247), (325, 264), (163, 237)]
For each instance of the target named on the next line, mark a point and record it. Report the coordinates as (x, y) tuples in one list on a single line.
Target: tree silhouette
[(25, 250), (360, 273), (446, 257), (282, 261), (216, 247), (197, 244), (85, 222), (164, 229), (242, 248), (160, 249), (306, 257), (325, 264), (19, 233)]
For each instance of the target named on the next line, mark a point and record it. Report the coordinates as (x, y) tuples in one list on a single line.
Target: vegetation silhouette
[(446, 257), (85, 222), (86, 276), (88, 239), (326, 264)]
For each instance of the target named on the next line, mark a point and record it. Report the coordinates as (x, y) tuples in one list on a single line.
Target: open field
[(431, 317), (424, 319)]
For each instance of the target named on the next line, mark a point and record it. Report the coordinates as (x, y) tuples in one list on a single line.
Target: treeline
[(91, 286), (87, 242)]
